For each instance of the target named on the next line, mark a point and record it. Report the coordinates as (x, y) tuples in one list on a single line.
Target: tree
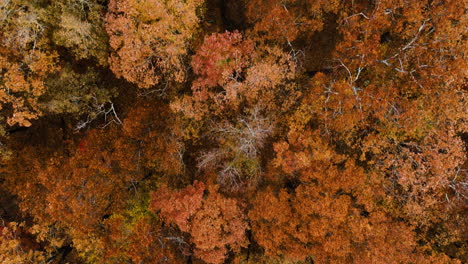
[(136, 235), (92, 183), (285, 21), (321, 131), (178, 206), (25, 61), (329, 210), (215, 223), (73, 193), (396, 92), (157, 132), (32, 40), (234, 77), (21, 90), (239, 92), (149, 39), (17, 247), (238, 157), (76, 93), (79, 26)]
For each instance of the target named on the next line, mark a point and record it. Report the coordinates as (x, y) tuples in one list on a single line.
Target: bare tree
[(237, 159)]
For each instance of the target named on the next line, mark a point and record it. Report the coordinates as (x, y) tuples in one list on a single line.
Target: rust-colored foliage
[(158, 135), (220, 56), (395, 101), (331, 214), (219, 224), (92, 183), (138, 241), (215, 223), (396, 63), (246, 87), (178, 206), (25, 61), (21, 90), (150, 38), (267, 131), (74, 194), (284, 21), (234, 77), (17, 246)]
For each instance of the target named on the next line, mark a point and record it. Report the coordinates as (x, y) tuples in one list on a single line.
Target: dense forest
[(233, 131)]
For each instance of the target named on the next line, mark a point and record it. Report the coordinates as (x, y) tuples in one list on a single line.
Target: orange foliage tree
[(149, 39), (137, 235), (25, 61), (329, 210), (251, 155), (284, 21), (395, 101), (157, 132), (93, 183), (17, 246)]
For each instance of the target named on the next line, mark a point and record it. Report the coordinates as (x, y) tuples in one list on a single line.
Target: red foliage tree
[(215, 223), (234, 77)]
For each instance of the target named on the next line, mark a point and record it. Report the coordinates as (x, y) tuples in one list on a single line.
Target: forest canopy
[(227, 131)]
